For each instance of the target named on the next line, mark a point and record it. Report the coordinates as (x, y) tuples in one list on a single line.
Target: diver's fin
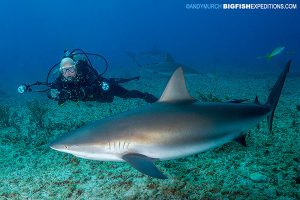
[(143, 164), (275, 94), (176, 91), (241, 139)]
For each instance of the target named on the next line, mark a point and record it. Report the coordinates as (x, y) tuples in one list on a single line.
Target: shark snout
[(58, 146)]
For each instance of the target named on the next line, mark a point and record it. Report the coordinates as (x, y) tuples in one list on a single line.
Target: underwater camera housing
[(27, 87)]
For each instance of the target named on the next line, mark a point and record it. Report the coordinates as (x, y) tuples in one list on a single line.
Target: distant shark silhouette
[(176, 126), (165, 65)]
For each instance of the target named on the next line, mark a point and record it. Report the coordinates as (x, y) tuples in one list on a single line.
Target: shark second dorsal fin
[(176, 91)]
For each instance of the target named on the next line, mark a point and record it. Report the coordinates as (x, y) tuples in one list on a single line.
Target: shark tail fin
[(275, 94), (268, 56)]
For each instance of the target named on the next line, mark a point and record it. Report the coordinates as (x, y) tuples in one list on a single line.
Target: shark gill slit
[(127, 145)]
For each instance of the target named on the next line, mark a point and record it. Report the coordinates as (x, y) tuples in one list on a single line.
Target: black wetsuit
[(88, 86)]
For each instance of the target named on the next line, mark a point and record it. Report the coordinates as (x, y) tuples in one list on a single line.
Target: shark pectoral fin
[(241, 139), (143, 164), (236, 100)]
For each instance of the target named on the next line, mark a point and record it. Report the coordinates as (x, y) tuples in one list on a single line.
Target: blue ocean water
[(35, 33)]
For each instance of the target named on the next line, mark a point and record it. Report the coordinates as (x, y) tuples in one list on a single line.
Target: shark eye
[(66, 147)]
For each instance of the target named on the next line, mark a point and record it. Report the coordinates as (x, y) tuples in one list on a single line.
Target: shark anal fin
[(241, 139), (143, 164)]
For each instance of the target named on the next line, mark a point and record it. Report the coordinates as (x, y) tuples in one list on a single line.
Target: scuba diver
[(79, 81)]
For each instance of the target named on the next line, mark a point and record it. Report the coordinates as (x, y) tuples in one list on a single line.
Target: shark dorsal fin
[(176, 91), (169, 58)]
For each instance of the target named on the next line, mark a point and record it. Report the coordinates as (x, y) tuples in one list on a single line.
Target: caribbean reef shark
[(163, 63), (176, 126)]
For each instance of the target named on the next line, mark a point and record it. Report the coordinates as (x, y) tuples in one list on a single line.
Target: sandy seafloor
[(268, 168)]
